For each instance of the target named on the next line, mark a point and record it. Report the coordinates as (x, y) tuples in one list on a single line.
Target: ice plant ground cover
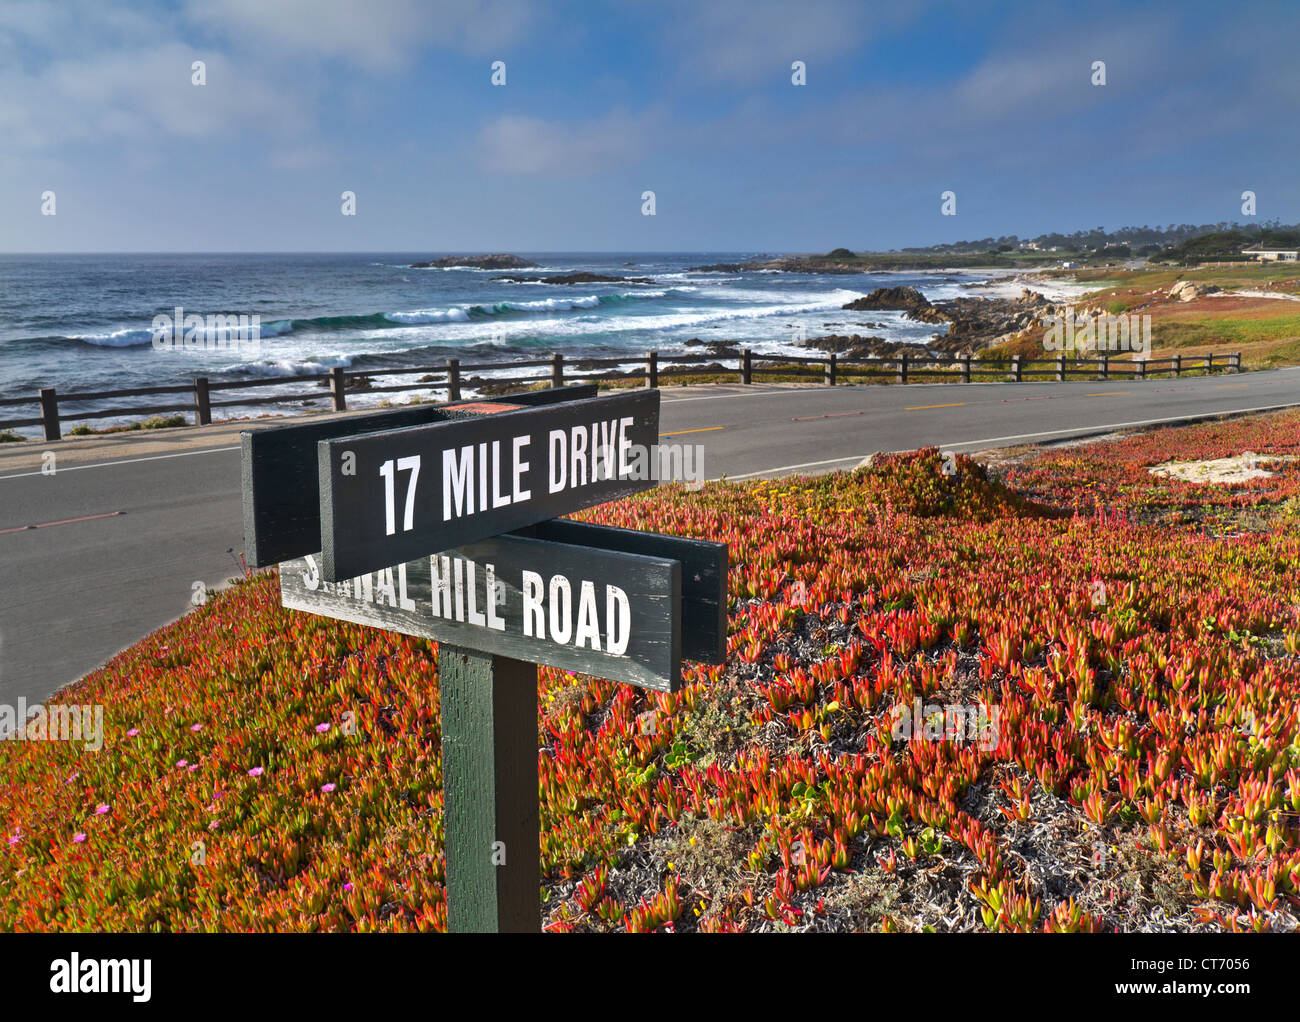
[(1137, 636)]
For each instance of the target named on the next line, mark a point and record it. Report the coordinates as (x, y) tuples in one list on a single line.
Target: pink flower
[(15, 838), (196, 727), (193, 767), (255, 772), (327, 787), (347, 888), (101, 809), (78, 838), (322, 728), (182, 762), (133, 732)]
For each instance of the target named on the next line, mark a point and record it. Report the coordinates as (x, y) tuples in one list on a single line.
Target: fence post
[(1105, 367), (202, 407), (965, 368), (1141, 364), (453, 379), (829, 375), (746, 366), (1236, 361), (652, 368), (337, 381), (902, 367), (1178, 365), (1209, 364), (1015, 369), (1060, 368), (50, 413), (557, 370)]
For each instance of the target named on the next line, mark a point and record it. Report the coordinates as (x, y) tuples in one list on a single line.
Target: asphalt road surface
[(117, 541)]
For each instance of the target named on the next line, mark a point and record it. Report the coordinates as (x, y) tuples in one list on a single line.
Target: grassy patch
[(153, 422)]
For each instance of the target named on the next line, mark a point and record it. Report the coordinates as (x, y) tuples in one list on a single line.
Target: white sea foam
[(456, 314), (307, 366), (124, 338)]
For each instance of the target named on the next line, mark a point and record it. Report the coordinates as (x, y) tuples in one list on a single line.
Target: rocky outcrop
[(723, 349), (1189, 291), (973, 323), (905, 299), (497, 261), (856, 346), (575, 278)]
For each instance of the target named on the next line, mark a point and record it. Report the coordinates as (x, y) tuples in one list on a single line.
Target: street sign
[(605, 613), (415, 510), (280, 478), (393, 496), (704, 576)]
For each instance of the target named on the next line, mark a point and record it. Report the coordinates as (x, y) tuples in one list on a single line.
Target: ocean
[(85, 322)]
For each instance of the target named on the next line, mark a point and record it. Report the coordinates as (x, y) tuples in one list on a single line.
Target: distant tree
[(1172, 241)]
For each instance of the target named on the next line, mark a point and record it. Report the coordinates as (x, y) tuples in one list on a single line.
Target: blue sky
[(393, 100)]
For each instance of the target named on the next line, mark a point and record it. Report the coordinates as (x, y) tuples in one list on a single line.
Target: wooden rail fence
[(831, 369)]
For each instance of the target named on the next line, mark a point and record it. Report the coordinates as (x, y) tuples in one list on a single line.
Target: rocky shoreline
[(973, 323)]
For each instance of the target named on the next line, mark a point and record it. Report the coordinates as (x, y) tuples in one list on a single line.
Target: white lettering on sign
[(463, 466), (581, 455), (485, 476), (383, 587), (412, 465), (462, 590)]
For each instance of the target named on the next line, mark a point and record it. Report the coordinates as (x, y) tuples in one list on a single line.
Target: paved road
[(129, 525)]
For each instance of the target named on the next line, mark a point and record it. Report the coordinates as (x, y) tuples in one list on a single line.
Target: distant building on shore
[(1271, 255)]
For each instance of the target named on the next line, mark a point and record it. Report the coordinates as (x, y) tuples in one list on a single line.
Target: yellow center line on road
[(702, 429), (921, 408), (1113, 393), (1230, 386)]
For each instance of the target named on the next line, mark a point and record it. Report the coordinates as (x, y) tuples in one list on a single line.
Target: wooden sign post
[(491, 820), (431, 552)]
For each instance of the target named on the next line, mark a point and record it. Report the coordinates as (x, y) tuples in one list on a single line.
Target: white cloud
[(376, 34), (745, 41), (141, 95), (531, 145)]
